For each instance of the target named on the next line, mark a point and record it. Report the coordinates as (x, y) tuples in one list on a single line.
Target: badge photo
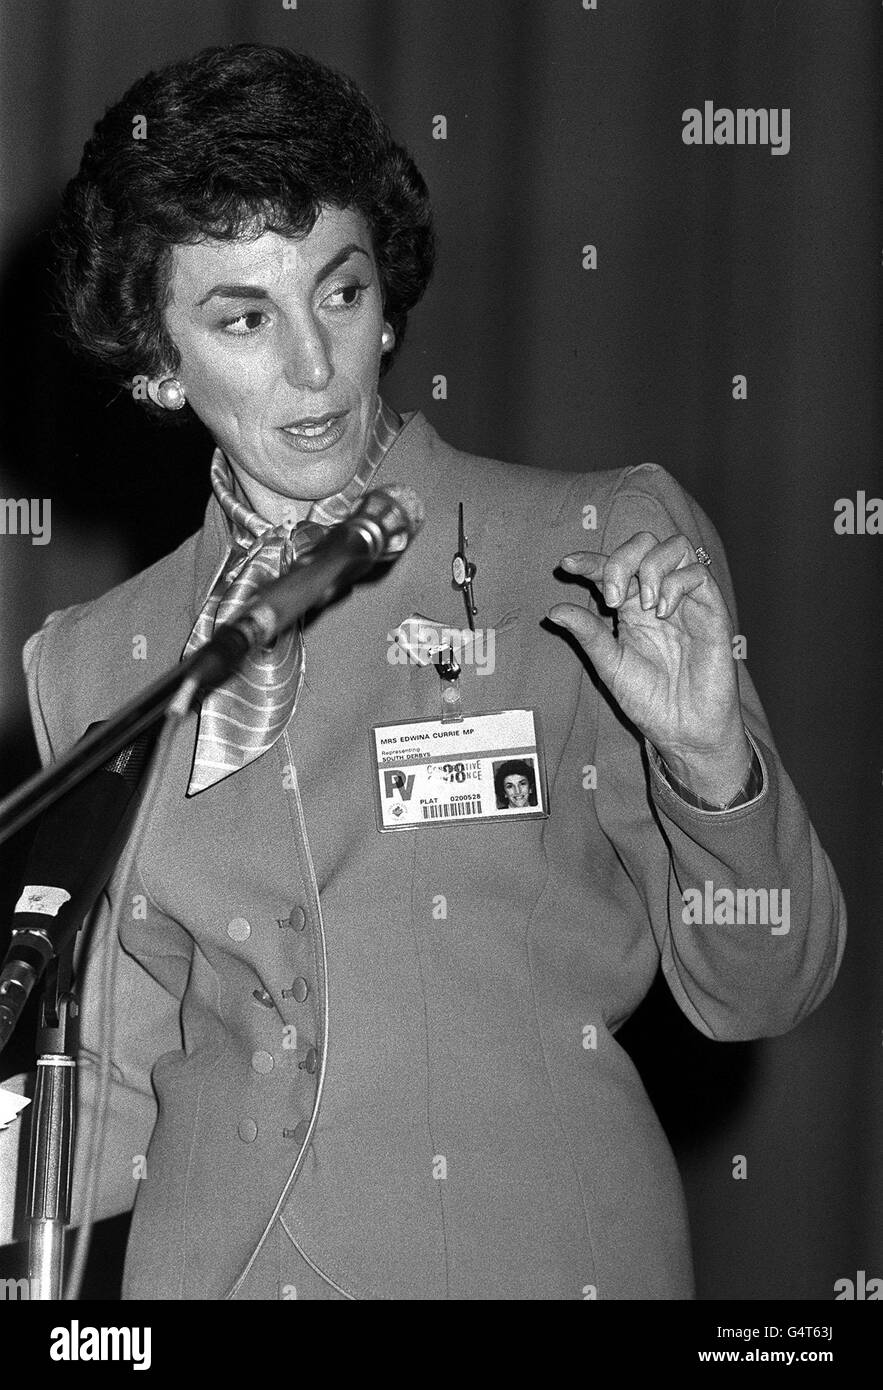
[(429, 772)]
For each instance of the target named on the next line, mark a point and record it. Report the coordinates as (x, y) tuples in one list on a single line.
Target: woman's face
[(273, 331), (516, 788)]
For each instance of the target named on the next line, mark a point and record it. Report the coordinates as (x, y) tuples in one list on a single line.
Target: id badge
[(489, 767)]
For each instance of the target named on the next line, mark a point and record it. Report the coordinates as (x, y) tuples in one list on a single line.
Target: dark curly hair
[(240, 139)]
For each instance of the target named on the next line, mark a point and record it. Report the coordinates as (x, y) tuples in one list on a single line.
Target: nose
[(308, 356)]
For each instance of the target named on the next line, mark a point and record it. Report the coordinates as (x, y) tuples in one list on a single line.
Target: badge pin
[(463, 571)]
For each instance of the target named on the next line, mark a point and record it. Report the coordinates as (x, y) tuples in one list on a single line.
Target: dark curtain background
[(563, 129)]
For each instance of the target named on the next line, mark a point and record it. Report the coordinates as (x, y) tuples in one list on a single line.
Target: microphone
[(383, 524), (72, 856)]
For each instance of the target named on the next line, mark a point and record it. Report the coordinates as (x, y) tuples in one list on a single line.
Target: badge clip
[(451, 697)]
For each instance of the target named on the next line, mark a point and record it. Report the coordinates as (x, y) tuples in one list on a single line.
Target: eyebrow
[(257, 292)]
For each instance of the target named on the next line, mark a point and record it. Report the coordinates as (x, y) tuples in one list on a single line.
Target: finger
[(674, 553), (695, 580), (590, 564), (586, 562), (594, 636), (622, 566)]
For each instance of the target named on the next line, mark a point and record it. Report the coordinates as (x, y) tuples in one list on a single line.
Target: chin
[(313, 482)]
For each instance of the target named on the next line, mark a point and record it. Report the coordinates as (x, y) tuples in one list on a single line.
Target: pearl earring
[(171, 394), (387, 338)]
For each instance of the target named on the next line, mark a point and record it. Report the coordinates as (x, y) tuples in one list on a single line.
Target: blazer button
[(248, 1131), (238, 929), (298, 1134), (299, 990), (262, 1062), (297, 918)]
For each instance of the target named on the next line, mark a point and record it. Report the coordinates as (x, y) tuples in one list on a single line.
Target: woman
[(515, 784), (349, 1063)]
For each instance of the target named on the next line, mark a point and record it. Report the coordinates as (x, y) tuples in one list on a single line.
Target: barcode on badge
[(441, 810)]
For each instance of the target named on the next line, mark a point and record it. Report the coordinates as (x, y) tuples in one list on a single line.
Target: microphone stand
[(53, 1130), (53, 1112)]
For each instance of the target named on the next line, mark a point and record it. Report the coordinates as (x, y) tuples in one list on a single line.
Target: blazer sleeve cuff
[(751, 791)]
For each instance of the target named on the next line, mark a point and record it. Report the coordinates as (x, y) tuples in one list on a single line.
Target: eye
[(354, 291), (231, 325)]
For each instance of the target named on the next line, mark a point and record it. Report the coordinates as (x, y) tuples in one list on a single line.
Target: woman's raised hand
[(670, 667)]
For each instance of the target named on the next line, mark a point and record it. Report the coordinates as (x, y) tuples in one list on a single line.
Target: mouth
[(313, 432), (312, 425)]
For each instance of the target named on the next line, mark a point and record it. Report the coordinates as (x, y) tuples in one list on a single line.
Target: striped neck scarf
[(245, 716)]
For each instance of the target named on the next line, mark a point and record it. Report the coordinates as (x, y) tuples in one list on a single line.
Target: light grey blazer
[(431, 1120)]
